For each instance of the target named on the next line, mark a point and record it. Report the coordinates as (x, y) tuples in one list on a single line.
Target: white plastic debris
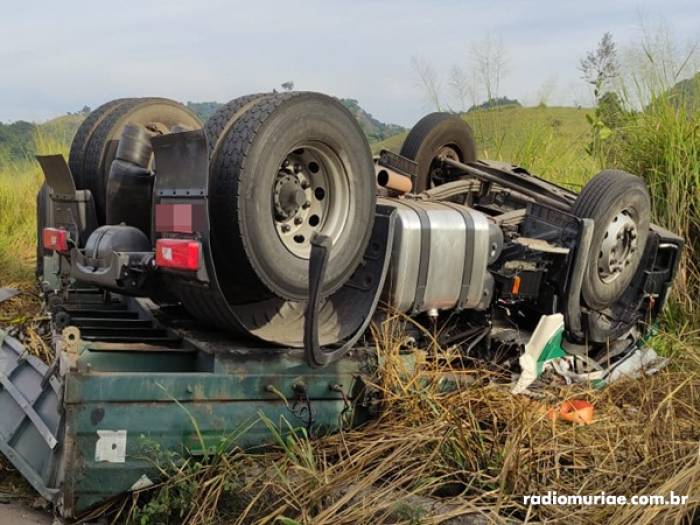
[(142, 483), (642, 361), (544, 352), (543, 348)]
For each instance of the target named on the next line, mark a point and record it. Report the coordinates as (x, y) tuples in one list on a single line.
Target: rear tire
[(224, 117), (263, 211), (434, 135), (619, 204), (76, 157), (104, 139)]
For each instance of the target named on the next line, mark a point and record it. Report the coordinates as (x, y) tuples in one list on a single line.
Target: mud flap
[(30, 416)]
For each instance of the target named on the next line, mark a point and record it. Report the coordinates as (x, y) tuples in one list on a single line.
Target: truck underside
[(206, 282)]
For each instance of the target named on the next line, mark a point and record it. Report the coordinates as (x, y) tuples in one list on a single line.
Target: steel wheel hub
[(437, 175), (288, 196), (311, 193), (618, 247)]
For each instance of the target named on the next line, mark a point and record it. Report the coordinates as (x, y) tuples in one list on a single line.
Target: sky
[(58, 56)]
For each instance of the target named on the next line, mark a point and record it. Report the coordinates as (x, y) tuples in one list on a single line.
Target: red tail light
[(55, 239), (179, 254)]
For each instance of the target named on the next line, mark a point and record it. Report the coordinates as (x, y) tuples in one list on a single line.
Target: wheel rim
[(618, 247), (436, 174), (310, 194)]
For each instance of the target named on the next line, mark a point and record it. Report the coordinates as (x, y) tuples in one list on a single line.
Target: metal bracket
[(364, 300), (572, 315)]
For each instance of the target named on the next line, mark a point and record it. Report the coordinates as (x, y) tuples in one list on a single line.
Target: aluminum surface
[(460, 240)]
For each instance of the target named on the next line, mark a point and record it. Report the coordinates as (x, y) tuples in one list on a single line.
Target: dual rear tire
[(95, 144), (284, 167)]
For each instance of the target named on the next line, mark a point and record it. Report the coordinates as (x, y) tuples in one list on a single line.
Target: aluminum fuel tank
[(440, 256)]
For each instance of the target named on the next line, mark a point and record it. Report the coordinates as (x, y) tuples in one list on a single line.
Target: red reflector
[(55, 239), (180, 254)]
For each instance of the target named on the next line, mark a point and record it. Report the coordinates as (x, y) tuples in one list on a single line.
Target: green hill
[(374, 129), (21, 140), (542, 139)]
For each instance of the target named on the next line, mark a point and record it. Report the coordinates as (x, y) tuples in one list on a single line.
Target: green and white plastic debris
[(544, 351), (543, 348)]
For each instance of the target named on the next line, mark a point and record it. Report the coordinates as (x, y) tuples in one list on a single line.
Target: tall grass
[(662, 145), (19, 182)]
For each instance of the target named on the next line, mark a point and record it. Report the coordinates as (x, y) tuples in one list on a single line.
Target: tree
[(611, 110), (428, 80), (288, 86), (490, 60), (600, 66), (462, 88), (498, 102)]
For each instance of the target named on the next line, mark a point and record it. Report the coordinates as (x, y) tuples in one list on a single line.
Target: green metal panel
[(162, 408)]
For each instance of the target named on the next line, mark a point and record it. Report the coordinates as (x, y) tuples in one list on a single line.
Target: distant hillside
[(541, 139), (204, 110), (18, 141), (499, 131), (374, 129)]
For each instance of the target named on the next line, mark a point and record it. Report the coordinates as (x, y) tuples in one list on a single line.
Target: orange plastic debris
[(577, 411), (574, 411)]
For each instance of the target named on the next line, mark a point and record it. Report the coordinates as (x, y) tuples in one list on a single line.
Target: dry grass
[(473, 452)]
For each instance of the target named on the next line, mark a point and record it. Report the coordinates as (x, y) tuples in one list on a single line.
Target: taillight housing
[(55, 239), (178, 254)]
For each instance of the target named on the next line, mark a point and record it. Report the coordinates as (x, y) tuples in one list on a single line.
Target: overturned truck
[(202, 278)]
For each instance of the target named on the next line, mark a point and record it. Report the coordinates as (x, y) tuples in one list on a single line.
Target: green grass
[(662, 145), (18, 187), (19, 182)]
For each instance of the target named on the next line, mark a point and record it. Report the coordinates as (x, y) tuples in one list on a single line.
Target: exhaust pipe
[(391, 180)]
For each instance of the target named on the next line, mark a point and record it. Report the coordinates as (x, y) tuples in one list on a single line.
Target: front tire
[(435, 135), (619, 204)]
